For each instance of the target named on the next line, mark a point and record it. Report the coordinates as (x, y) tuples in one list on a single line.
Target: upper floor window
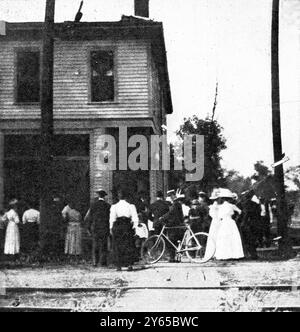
[(28, 77), (102, 76)]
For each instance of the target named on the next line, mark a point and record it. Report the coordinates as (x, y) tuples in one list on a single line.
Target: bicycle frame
[(181, 247)]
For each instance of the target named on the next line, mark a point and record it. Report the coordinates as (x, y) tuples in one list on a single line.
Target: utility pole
[(276, 123), (47, 130)]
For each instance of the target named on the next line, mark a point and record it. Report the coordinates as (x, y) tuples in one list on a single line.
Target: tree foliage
[(292, 178), (236, 182), (214, 144), (262, 171)]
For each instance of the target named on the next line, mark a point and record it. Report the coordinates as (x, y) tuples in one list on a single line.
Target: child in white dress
[(141, 234)]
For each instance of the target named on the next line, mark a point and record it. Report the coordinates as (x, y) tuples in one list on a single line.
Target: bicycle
[(193, 245)]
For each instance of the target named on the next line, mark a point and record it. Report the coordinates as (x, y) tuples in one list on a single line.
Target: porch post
[(1, 170), (153, 189), (166, 182), (156, 183), (99, 179), (157, 178)]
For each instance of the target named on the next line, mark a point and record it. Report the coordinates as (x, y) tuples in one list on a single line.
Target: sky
[(209, 41)]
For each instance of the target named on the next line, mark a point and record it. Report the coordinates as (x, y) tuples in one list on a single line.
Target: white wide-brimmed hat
[(215, 194), (225, 193)]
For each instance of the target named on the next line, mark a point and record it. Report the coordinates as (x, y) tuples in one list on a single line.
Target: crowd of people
[(236, 225)]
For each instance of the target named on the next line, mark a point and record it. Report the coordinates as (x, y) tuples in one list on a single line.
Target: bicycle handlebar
[(177, 227)]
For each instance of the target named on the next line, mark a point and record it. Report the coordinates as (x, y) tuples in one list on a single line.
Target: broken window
[(28, 77), (102, 76)]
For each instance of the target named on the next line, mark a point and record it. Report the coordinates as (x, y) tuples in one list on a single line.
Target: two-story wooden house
[(106, 75)]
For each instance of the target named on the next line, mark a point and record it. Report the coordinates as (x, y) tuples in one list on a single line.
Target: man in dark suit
[(174, 218), (265, 222), (158, 210), (251, 224), (98, 225)]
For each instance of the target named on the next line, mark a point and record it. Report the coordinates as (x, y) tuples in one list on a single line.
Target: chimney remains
[(141, 8)]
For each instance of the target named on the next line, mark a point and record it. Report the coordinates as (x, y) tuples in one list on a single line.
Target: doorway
[(70, 168)]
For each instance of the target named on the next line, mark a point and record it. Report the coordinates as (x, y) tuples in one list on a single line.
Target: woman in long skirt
[(228, 243), (31, 221), (12, 237), (73, 242), (123, 222)]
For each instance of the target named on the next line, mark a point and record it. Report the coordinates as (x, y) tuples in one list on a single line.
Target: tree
[(264, 185), (214, 144), (262, 171), (236, 182), (292, 178)]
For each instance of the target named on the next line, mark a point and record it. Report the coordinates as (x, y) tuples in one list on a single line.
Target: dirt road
[(215, 286)]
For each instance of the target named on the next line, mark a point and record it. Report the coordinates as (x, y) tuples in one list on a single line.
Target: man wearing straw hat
[(171, 196)]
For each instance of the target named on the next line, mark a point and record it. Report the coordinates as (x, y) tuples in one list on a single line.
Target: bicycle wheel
[(200, 248), (153, 249)]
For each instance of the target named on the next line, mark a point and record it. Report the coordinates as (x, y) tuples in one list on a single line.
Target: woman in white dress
[(12, 237), (228, 240)]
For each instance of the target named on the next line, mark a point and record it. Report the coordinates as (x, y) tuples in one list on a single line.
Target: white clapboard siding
[(71, 81)]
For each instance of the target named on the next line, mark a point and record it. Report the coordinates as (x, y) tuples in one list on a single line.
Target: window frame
[(17, 50), (115, 71)]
